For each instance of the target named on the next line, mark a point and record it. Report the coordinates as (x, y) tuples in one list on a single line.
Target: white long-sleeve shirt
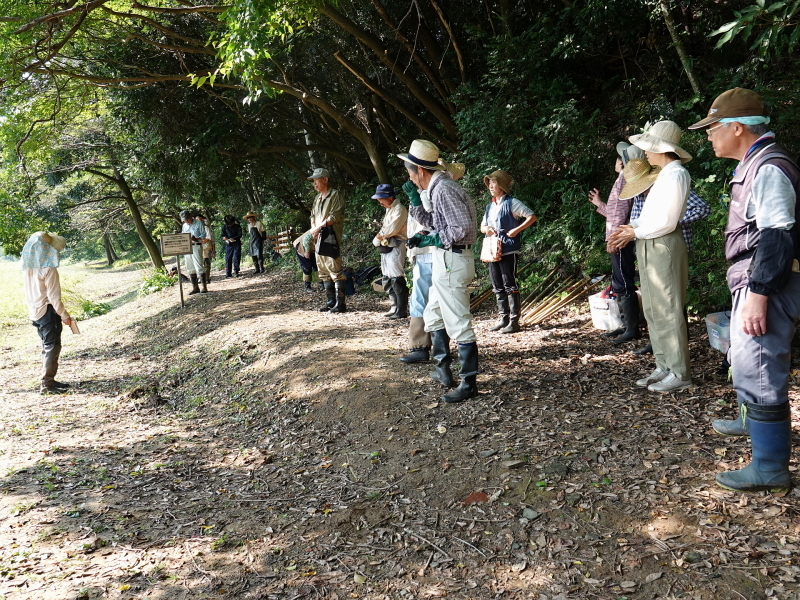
[(665, 204), (43, 287)]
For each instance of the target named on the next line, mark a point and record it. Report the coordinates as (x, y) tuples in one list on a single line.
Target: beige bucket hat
[(664, 136), (639, 176), (502, 178)]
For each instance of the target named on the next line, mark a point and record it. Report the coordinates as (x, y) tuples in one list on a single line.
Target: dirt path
[(251, 447)]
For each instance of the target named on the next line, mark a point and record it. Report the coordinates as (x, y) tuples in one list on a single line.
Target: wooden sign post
[(177, 244)]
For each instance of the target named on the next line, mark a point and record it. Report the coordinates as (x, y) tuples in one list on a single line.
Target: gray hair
[(758, 130), (412, 168)]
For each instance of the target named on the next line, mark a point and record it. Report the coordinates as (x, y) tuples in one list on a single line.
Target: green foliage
[(155, 280), (90, 308), (774, 24)]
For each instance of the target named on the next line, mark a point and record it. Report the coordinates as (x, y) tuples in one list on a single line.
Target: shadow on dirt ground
[(249, 446)]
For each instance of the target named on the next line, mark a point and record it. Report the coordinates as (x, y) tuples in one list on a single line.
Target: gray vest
[(742, 234)]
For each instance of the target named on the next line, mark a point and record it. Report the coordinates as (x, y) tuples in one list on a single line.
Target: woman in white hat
[(663, 256), (39, 262)]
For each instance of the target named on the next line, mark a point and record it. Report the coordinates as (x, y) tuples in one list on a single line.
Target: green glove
[(413, 195), (430, 240)]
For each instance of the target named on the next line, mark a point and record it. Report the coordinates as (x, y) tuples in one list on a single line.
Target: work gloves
[(423, 239), (413, 195)]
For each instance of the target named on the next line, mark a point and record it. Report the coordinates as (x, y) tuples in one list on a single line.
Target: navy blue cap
[(384, 190)]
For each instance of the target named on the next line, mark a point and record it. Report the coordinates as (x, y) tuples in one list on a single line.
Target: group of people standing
[(652, 203), (438, 231)]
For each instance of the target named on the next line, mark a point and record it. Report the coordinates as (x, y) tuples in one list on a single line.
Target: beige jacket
[(329, 207)]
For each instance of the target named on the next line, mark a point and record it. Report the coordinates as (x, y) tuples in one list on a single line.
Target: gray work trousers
[(760, 364), (49, 328)]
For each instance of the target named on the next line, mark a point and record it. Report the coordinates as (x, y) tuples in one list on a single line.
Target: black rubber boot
[(468, 388), (513, 314), (615, 332), (389, 289), (330, 292), (629, 305), (644, 350), (417, 355), (401, 294), (204, 284), (195, 286), (734, 427), (307, 286), (440, 352), (340, 305), (503, 309), (771, 440)]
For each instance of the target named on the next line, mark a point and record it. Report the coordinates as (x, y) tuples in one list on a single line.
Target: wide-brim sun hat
[(251, 214), (663, 137), (502, 178), (628, 152), (56, 241), (318, 173), (738, 102), (639, 176), (456, 170), (423, 153)]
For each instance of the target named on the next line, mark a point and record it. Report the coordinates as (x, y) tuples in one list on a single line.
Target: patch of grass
[(155, 280)]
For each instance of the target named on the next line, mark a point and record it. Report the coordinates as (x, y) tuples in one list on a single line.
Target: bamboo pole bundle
[(554, 304), (541, 291), (551, 301), (487, 292)]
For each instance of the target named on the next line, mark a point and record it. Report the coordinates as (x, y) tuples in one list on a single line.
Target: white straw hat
[(662, 137), (424, 154)]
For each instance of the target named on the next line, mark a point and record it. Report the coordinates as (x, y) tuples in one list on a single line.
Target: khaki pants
[(194, 262), (664, 272), (329, 269), (448, 302)]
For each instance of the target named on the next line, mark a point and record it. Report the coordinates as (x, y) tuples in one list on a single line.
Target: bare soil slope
[(250, 447)]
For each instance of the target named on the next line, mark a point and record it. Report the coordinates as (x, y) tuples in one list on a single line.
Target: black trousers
[(233, 258), (503, 274), (623, 270), (307, 265), (49, 328)]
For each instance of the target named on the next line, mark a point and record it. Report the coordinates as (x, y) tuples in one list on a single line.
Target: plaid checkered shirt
[(454, 215)]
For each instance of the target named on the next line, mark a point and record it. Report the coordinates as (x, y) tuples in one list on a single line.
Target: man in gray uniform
[(762, 241)]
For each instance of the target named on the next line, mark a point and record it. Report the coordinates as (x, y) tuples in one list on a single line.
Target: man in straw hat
[(421, 259), (194, 261), (39, 262), (506, 217), (661, 250), (762, 242), (617, 211), (447, 314), (328, 211)]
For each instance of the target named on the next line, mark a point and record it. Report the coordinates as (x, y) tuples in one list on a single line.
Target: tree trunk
[(110, 254), (136, 216), (686, 61)]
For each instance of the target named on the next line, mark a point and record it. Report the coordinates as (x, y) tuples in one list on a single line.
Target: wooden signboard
[(176, 244)]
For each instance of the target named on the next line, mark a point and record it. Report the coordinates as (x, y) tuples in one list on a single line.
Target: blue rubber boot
[(771, 440), (733, 427), (440, 352)]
